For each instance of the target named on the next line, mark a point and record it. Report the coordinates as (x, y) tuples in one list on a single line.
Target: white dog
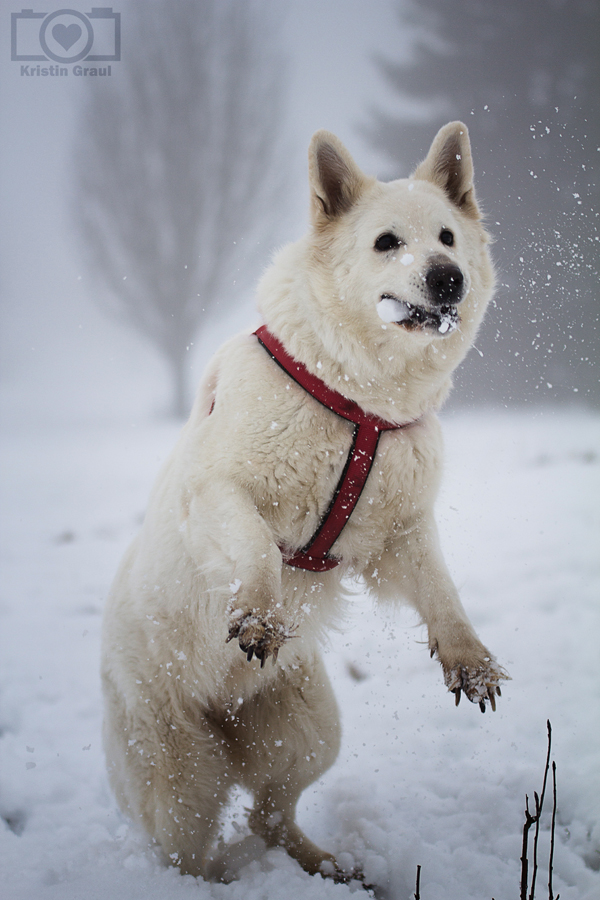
[(312, 451)]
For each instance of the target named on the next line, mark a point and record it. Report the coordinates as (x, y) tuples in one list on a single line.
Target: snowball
[(391, 310)]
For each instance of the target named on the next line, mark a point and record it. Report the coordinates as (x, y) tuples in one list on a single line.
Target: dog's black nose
[(445, 283)]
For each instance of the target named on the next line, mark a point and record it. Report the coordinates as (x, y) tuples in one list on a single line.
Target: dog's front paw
[(480, 682), (259, 637)]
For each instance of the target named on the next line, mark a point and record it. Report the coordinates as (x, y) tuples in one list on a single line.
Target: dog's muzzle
[(442, 287)]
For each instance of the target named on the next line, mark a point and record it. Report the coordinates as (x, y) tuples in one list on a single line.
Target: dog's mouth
[(443, 319)]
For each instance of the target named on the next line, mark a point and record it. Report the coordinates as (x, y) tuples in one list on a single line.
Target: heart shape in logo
[(66, 35)]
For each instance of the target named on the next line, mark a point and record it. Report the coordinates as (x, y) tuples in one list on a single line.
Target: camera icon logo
[(66, 36)]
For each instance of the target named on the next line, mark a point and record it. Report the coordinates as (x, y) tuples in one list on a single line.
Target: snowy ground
[(417, 781)]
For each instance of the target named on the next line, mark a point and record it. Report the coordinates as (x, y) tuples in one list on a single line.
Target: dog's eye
[(446, 237), (387, 241)]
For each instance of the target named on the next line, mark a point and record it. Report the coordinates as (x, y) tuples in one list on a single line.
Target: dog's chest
[(297, 468), (268, 436), (403, 480)]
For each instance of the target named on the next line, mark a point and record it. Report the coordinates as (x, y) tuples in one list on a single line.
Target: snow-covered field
[(417, 781)]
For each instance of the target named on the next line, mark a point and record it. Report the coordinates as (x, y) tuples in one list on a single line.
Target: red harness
[(315, 555)]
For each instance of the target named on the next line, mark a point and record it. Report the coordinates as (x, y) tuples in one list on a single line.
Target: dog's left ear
[(336, 182), (449, 165)]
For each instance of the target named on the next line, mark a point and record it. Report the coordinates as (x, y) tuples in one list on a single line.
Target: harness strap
[(314, 556)]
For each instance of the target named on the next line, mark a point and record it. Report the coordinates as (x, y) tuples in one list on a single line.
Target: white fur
[(187, 716)]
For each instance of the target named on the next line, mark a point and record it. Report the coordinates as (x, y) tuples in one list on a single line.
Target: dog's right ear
[(336, 181)]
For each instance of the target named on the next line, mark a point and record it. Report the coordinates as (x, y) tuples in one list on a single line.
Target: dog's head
[(397, 275), (412, 246)]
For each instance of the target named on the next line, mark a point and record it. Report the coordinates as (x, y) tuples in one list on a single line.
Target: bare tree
[(525, 77), (179, 165)]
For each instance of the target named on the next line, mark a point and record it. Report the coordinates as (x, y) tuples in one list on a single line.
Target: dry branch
[(534, 819)]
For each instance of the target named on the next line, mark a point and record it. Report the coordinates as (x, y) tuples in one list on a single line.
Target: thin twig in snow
[(552, 829), (418, 885), (535, 820), (539, 803), (529, 820)]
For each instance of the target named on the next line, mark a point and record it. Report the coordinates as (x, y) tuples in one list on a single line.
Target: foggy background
[(139, 209), (137, 212)]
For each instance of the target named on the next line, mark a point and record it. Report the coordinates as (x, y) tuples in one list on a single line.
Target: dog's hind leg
[(172, 775), (283, 740), (189, 806)]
